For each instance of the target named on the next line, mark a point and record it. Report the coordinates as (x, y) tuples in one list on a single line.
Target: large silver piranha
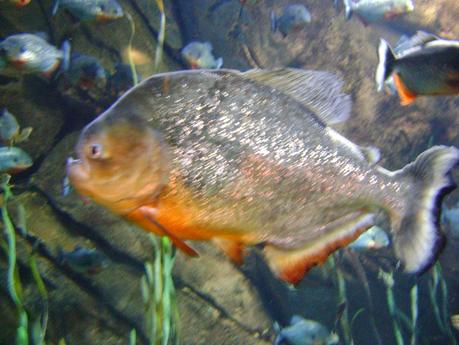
[(248, 158)]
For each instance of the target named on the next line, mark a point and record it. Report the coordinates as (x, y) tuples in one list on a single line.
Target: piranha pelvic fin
[(233, 249), (406, 96), (149, 214)]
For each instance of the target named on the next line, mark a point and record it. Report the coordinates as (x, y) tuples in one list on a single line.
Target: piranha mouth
[(76, 170), (19, 63)]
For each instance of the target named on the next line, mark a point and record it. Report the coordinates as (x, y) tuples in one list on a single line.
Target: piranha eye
[(95, 151)]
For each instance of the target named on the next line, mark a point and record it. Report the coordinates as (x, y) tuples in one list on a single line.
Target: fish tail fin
[(417, 237), (385, 65), (348, 9), (55, 7)]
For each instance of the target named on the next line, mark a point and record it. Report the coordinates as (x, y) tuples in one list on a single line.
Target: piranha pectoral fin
[(149, 214), (406, 96), (291, 265)]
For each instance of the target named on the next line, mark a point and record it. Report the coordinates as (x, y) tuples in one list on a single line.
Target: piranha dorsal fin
[(291, 264), (148, 213), (406, 96), (319, 91)]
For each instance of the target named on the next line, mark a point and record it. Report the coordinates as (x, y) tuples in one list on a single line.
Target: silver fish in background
[(86, 72), (369, 11), (91, 10), (10, 131), (83, 260), (198, 55), (14, 160), (248, 158), (373, 238), (302, 331), (428, 65), (293, 19), (31, 54)]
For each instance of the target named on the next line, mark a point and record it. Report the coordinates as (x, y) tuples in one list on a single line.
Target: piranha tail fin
[(348, 9), (417, 238), (385, 65)]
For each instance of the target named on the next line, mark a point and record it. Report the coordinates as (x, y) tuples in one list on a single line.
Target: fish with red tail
[(429, 66), (248, 158)]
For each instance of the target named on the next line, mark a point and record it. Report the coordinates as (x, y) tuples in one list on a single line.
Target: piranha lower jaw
[(292, 265)]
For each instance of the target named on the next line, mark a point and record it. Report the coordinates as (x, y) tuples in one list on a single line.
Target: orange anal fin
[(291, 265), (233, 249), (406, 96), (149, 214)]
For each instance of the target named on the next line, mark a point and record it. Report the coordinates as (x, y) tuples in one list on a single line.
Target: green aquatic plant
[(439, 289), (158, 294), (133, 337), (161, 35), (14, 284), (414, 312), (344, 320), (135, 79), (388, 279)]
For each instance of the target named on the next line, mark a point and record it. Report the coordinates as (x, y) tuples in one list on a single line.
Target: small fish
[(86, 72), (10, 132), (429, 67), (455, 321), (122, 80), (373, 238), (302, 331), (198, 55), (247, 158), (32, 54), (83, 260), (369, 11), (293, 19), (14, 160), (91, 10)]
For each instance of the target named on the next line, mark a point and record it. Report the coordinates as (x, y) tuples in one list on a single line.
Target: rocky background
[(219, 303)]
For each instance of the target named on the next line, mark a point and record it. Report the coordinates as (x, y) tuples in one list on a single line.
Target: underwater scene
[(229, 172)]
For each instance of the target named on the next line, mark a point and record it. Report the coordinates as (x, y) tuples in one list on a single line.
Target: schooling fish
[(369, 11), (198, 55), (293, 19), (431, 67), (248, 158), (373, 238), (14, 160), (91, 10), (302, 331), (31, 54)]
